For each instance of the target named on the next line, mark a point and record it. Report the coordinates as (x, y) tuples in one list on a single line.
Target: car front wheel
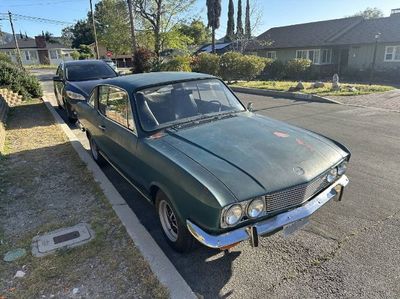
[(175, 231), (71, 118)]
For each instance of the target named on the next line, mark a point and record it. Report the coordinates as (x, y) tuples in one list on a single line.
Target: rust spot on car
[(157, 135), (281, 134), (302, 143)]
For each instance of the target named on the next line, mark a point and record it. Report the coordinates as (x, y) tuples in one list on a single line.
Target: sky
[(274, 12)]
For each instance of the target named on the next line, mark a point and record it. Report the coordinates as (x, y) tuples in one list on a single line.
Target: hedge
[(177, 64), (20, 81), (206, 63)]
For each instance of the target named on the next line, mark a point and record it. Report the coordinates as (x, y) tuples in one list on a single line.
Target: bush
[(206, 63), (18, 80), (251, 66), (75, 55), (230, 66), (177, 64), (5, 57), (274, 70), (143, 60), (297, 68)]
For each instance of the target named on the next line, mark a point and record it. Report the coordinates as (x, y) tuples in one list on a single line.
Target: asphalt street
[(350, 249)]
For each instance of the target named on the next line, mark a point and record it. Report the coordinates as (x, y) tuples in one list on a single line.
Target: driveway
[(349, 249)]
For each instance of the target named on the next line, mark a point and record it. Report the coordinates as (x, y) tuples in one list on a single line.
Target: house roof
[(308, 34), (25, 43), (208, 47), (346, 31)]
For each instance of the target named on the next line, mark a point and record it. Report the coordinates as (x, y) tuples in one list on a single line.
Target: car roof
[(140, 81)]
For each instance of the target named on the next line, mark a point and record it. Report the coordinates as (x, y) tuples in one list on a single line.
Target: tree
[(230, 27), (239, 23), (370, 13), (113, 27), (247, 26), (213, 15), (79, 34), (161, 15), (197, 31)]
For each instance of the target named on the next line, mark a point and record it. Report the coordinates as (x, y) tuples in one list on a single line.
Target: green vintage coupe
[(215, 171)]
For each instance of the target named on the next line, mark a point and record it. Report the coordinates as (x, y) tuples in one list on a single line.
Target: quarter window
[(114, 104), (392, 53), (93, 97)]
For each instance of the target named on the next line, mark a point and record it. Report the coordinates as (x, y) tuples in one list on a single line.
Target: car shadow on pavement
[(205, 270)]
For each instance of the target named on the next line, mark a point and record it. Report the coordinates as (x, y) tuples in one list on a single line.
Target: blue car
[(75, 80)]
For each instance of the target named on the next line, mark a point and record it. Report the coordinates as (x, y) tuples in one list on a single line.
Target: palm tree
[(213, 15)]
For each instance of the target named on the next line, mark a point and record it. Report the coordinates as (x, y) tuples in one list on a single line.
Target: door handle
[(101, 127)]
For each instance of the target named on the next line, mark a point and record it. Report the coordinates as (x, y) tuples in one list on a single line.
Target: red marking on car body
[(281, 134), (157, 135)]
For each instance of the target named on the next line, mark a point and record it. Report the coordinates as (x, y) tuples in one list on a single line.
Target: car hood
[(83, 87), (254, 155)]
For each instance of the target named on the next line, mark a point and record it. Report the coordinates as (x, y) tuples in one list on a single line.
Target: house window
[(271, 54), (313, 55), (27, 56), (33, 55), (326, 56), (392, 53), (55, 54)]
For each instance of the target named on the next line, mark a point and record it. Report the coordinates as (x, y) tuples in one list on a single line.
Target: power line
[(41, 3), (36, 19)]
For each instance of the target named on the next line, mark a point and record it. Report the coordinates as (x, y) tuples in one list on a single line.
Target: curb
[(161, 266), (285, 94)]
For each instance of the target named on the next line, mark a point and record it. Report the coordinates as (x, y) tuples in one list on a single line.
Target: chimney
[(40, 41), (395, 12)]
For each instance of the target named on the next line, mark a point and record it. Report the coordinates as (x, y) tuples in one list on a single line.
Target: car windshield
[(89, 71), (173, 104)]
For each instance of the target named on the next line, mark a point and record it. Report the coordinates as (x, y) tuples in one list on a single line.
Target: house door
[(343, 60)]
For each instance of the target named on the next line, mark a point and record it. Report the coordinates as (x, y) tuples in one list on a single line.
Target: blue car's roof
[(140, 81)]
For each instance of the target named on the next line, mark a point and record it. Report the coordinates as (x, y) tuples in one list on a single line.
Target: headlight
[(332, 174), (75, 96), (233, 215), (342, 168), (255, 208)]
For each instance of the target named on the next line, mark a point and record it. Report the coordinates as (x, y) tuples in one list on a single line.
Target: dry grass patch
[(45, 186)]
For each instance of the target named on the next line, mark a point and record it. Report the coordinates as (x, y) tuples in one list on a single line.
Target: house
[(120, 60), (348, 44), (37, 50)]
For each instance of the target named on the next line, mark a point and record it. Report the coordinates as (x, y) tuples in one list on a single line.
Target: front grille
[(296, 195)]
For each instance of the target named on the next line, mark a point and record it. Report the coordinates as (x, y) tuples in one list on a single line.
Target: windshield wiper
[(203, 119)]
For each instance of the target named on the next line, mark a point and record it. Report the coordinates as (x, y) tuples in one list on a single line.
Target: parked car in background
[(111, 63), (215, 171), (74, 81)]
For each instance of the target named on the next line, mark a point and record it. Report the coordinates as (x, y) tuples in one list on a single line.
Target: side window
[(114, 104), (93, 97)]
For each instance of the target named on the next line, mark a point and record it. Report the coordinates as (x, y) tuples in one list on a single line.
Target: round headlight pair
[(235, 212)]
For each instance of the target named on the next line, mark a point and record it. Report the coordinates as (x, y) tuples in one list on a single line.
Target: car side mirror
[(250, 106), (57, 79)]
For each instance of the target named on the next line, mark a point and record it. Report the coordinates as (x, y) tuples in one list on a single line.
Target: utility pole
[(96, 45), (18, 54), (372, 71), (132, 21)]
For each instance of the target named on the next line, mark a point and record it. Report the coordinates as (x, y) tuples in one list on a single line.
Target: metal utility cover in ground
[(61, 239)]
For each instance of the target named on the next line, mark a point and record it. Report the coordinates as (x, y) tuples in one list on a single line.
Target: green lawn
[(360, 89)]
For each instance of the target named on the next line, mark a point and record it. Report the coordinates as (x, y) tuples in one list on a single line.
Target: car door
[(119, 137), (89, 116)]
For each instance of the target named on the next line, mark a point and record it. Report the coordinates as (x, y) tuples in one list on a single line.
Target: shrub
[(143, 60), (75, 55), (297, 68), (5, 57), (18, 80), (177, 64), (275, 70), (230, 66), (251, 66), (206, 63)]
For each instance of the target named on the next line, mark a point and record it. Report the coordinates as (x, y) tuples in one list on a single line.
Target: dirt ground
[(44, 186)]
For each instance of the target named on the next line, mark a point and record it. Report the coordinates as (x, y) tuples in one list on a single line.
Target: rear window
[(89, 71)]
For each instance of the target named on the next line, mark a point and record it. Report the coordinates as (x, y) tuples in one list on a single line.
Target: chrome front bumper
[(269, 225)]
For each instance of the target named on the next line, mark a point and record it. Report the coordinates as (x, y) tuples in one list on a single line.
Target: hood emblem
[(298, 170)]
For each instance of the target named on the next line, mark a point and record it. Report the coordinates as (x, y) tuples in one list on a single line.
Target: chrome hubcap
[(168, 221)]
